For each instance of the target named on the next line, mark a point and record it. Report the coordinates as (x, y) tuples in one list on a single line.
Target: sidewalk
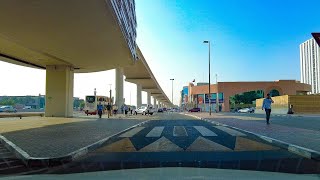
[(44, 137), (298, 136)]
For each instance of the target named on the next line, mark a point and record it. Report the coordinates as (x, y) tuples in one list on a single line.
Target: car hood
[(174, 173)]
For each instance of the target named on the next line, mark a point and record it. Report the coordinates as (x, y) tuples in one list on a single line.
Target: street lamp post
[(110, 94), (209, 96), (172, 91)]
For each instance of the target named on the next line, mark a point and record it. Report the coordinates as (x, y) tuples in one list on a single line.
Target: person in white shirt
[(266, 105)]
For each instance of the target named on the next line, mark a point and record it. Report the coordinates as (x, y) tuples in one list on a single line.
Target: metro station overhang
[(141, 74), (82, 34)]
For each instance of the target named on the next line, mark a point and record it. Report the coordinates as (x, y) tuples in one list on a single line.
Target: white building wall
[(310, 64)]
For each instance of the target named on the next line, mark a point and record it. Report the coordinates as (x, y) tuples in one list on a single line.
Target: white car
[(8, 109), (244, 110), (144, 110)]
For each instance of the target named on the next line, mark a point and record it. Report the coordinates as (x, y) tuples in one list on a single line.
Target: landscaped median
[(21, 114), (302, 151)]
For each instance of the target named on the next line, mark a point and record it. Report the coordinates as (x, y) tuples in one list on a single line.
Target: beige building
[(227, 89), (308, 104)]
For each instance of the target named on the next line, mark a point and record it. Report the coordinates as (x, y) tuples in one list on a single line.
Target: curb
[(52, 161), (302, 151)]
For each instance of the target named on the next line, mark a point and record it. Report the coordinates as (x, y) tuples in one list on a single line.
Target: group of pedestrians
[(266, 105), (101, 109), (113, 110)]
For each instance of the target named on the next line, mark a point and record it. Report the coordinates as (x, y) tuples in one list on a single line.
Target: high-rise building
[(310, 64)]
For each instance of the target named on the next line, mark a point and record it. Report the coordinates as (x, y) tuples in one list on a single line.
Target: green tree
[(245, 98), (274, 92), (82, 103), (7, 102)]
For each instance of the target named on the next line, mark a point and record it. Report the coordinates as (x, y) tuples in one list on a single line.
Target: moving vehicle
[(144, 110), (194, 110), (160, 110), (91, 103), (7, 109)]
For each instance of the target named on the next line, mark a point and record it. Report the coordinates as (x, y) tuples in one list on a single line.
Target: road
[(174, 140), (164, 140)]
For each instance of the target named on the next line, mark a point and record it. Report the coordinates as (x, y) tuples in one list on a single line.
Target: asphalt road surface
[(174, 140)]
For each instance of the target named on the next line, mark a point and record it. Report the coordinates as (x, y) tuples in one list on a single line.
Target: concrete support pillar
[(154, 102), (148, 98), (159, 104), (59, 91), (139, 96), (119, 87)]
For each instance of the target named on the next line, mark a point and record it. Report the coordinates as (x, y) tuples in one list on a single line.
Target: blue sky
[(251, 41)]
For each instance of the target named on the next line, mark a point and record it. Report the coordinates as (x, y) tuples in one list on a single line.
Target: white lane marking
[(179, 131), (205, 131), (155, 132), (232, 132), (132, 132)]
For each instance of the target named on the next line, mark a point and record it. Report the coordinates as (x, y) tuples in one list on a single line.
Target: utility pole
[(209, 96), (172, 91), (110, 94)]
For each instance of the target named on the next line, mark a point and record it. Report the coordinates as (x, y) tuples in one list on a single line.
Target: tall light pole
[(172, 91), (110, 93), (209, 96)]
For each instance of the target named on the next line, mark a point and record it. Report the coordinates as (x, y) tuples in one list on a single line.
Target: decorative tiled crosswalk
[(201, 138)]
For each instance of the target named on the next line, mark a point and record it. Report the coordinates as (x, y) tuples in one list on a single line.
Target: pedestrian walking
[(115, 109), (109, 110), (148, 111), (122, 108), (100, 109), (125, 110), (266, 105)]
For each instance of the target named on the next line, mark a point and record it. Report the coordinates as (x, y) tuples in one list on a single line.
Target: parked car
[(245, 110), (27, 107), (194, 110), (160, 110), (235, 110), (144, 110), (7, 109), (164, 109), (252, 109)]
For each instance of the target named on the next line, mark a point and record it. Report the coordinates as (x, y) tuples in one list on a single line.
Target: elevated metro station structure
[(67, 37)]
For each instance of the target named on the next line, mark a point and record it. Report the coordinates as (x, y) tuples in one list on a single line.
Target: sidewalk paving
[(298, 136), (55, 137), (43, 137)]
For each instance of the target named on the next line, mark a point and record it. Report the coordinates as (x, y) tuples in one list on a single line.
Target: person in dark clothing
[(109, 110)]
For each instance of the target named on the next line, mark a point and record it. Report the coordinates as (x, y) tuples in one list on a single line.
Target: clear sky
[(251, 41)]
